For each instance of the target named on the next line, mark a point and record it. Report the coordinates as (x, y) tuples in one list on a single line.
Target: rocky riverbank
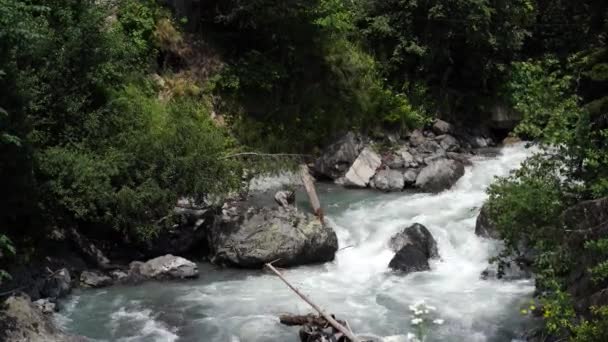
[(431, 159)]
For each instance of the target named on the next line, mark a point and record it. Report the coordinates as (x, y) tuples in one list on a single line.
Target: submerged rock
[(338, 157), (415, 245), (440, 175), (163, 268), (363, 169), (21, 320), (252, 237), (388, 180)]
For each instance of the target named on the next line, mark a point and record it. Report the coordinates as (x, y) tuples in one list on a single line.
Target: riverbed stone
[(442, 127), (440, 175), (448, 143), (414, 246), (21, 320), (338, 157), (163, 268), (255, 236), (388, 180), (409, 176), (94, 279), (407, 157), (363, 169)]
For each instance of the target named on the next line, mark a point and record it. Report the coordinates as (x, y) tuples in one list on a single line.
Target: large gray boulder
[(484, 227), (21, 321), (253, 237), (414, 246), (440, 175), (163, 268), (442, 127), (388, 180), (338, 157), (58, 285), (363, 169)]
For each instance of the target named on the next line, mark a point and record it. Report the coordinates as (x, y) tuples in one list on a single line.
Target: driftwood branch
[(322, 312)]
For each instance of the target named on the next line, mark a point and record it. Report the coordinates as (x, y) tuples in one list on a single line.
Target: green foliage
[(543, 94), (86, 142), (457, 48), (299, 75)]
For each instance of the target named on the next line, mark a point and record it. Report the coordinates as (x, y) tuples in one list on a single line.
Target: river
[(242, 306)]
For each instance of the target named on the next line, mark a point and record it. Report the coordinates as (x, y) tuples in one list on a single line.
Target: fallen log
[(341, 328), (309, 185), (309, 319)]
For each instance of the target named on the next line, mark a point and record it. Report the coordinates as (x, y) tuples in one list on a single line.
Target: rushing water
[(238, 305)]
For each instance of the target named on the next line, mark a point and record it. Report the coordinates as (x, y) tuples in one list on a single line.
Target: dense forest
[(110, 111)]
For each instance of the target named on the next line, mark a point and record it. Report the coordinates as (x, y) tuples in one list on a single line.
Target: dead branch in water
[(322, 312)]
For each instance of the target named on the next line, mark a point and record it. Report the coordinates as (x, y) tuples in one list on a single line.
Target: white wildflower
[(417, 312), (426, 311), (430, 307), (416, 321), (438, 321), (413, 308)]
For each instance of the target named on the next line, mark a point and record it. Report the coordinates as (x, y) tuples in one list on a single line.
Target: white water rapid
[(242, 306)]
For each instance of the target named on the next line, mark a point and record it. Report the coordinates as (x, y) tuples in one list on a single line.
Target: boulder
[(255, 236), (448, 143), (440, 175), (463, 158), (21, 320), (409, 176), (441, 127), (414, 246), (94, 279), (338, 157), (417, 138), (285, 198), (429, 147), (415, 235), (410, 259), (388, 180), (46, 306), (58, 285), (163, 268), (363, 169), (484, 227), (395, 161), (407, 157)]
